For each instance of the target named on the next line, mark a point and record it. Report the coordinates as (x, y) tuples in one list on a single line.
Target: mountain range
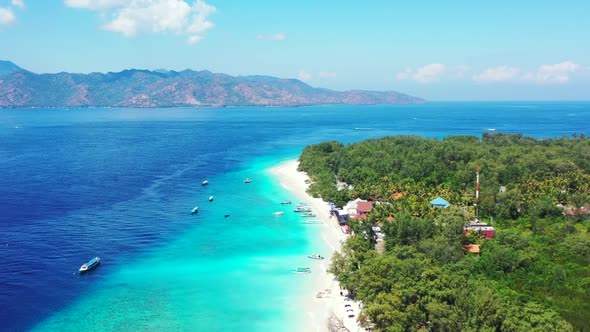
[(162, 88)]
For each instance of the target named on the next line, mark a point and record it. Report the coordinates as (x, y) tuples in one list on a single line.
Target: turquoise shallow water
[(213, 275), (120, 184)]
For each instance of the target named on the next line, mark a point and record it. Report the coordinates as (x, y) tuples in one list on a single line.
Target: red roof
[(364, 206), (472, 248)]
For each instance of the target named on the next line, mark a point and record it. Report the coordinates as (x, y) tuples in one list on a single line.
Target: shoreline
[(318, 310)]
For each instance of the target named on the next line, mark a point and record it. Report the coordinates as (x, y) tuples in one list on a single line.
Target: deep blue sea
[(120, 183)]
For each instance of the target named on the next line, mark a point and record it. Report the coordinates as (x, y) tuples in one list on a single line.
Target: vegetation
[(535, 274)]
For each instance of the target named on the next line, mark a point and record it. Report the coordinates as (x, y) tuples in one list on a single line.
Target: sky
[(438, 50)]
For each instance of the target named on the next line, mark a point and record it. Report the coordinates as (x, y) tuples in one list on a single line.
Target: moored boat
[(316, 256), (247, 180), (278, 213), (302, 270), (308, 214), (302, 209), (312, 221), (195, 210), (286, 202), (90, 265), (210, 198), (205, 183)]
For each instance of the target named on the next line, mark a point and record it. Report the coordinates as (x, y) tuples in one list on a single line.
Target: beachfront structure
[(341, 215), (488, 231), (440, 203), (363, 209)]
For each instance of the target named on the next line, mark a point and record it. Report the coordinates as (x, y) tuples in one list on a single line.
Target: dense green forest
[(533, 276)]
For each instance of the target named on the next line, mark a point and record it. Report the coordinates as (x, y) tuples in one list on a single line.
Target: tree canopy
[(533, 276)]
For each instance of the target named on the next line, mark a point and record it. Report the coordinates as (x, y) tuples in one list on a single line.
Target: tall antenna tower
[(476, 191)]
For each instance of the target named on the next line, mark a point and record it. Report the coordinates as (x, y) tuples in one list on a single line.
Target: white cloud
[(303, 75), (97, 4), (194, 39), (7, 16), (430, 73), (556, 74), (18, 3), (134, 17), (405, 75), (326, 74), (274, 37), (498, 74)]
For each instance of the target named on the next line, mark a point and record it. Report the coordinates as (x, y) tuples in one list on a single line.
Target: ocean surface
[(120, 184)]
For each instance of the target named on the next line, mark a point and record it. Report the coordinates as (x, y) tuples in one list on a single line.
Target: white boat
[(301, 270), (210, 198), (308, 214), (278, 213), (195, 210), (90, 265), (247, 180), (300, 208), (312, 221), (286, 202), (205, 183), (316, 256)]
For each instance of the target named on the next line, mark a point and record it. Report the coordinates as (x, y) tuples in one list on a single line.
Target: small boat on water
[(195, 210), (90, 265), (312, 221), (286, 202), (278, 213), (316, 256), (308, 214), (210, 198), (205, 183), (227, 216), (247, 180), (302, 270), (302, 209)]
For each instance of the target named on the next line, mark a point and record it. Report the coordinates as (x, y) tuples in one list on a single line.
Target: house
[(341, 215), (440, 203), (472, 248), (351, 207), (363, 208), (488, 231)]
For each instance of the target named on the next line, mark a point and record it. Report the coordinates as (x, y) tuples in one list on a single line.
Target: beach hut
[(440, 203)]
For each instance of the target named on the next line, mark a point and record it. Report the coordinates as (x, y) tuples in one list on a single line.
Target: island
[(167, 88), (461, 233)]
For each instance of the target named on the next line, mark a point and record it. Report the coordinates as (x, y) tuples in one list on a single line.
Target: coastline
[(318, 310)]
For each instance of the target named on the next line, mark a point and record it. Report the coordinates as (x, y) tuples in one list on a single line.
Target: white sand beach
[(319, 309)]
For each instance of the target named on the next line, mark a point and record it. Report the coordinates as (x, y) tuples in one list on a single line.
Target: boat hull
[(90, 265)]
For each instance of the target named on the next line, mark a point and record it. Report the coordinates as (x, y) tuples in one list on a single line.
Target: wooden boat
[(90, 265)]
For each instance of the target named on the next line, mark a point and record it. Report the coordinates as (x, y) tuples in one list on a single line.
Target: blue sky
[(439, 50)]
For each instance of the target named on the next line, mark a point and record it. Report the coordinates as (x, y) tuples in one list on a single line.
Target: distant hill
[(161, 88), (7, 67)]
